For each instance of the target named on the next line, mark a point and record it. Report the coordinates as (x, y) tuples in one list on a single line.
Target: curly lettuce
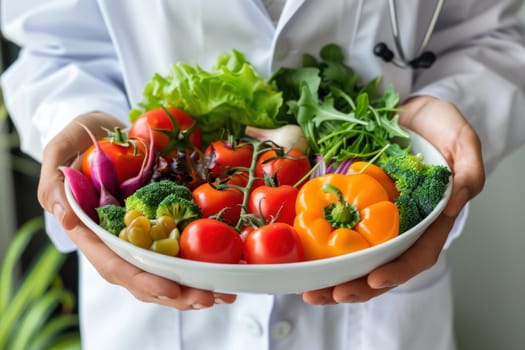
[(225, 99)]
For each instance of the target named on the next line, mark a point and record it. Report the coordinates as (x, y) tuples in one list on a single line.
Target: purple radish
[(103, 173), (106, 198), (83, 190), (128, 187)]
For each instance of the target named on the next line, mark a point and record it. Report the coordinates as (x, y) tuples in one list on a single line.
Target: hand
[(63, 150), (444, 126)]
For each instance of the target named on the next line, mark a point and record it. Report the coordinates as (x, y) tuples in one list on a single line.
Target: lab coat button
[(252, 326), (282, 48), (281, 329)]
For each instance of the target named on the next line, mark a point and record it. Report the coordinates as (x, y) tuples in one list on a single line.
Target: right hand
[(63, 150)]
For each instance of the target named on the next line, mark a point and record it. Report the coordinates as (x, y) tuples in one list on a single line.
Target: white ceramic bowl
[(276, 278)]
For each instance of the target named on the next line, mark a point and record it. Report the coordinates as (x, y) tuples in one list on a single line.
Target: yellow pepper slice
[(339, 214)]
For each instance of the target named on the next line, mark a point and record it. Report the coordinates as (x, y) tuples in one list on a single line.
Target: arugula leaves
[(340, 117)]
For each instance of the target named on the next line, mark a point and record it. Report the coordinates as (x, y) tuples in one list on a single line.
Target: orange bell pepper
[(339, 214), (378, 174)]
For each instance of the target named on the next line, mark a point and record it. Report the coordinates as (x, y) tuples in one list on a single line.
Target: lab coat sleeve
[(67, 66), (480, 68)]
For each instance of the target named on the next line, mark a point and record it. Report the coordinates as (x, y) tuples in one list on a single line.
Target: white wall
[(488, 264)]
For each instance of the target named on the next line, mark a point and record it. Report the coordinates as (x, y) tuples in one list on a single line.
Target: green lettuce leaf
[(227, 98)]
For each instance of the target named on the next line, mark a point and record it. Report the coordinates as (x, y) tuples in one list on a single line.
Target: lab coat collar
[(290, 8)]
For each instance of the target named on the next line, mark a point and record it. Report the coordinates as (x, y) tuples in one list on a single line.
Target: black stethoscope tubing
[(423, 59)]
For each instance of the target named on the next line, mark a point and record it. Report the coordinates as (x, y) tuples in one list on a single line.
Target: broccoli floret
[(404, 168), (111, 218), (409, 215), (422, 183), (430, 191), (146, 199), (182, 210)]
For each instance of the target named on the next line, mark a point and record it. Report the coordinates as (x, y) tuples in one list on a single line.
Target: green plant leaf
[(13, 254), (68, 341), (38, 313), (35, 283), (52, 329)]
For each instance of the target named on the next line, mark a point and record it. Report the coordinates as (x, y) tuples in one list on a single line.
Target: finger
[(420, 256), (144, 286), (221, 298), (319, 297), (194, 299), (468, 179), (356, 291), (50, 191), (63, 150)]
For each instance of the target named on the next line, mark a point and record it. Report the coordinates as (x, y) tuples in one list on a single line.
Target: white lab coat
[(85, 55)]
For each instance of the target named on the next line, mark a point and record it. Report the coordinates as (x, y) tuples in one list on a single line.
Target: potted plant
[(36, 311)]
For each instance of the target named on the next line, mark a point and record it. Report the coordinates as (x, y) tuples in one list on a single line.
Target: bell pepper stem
[(340, 214)]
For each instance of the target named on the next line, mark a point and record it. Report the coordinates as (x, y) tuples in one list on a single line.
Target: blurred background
[(488, 260)]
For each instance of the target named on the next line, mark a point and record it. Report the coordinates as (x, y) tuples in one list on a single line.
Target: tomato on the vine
[(274, 204), (212, 201), (224, 155), (275, 243), (168, 134), (211, 240), (288, 168), (126, 155)]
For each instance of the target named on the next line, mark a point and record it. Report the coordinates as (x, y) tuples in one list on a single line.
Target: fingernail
[(198, 306), (163, 297), (384, 284), (219, 301)]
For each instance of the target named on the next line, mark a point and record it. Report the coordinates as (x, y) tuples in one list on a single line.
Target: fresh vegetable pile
[(224, 166)]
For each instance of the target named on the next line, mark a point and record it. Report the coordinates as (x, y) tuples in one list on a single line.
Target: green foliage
[(36, 312), (341, 117), (229, 96)]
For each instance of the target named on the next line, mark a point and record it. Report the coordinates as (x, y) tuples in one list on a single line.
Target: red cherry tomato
[(223, 155), (126, 159), (288, 169), (211, 241), (165, 136), (275, 204), (275, 243), (213, 201), (246, 230)]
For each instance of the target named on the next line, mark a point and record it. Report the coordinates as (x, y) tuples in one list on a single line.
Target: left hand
[(442, 124)]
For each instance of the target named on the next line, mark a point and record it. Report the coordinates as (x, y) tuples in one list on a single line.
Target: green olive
[(166, 246), (139, 237)]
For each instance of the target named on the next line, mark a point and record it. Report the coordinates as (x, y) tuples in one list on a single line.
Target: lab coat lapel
[(290, 8)]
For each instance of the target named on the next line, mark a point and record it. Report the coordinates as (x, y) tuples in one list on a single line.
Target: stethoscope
[(423, 59)]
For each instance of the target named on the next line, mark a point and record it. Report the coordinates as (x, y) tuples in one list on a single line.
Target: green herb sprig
[(341, 117)]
